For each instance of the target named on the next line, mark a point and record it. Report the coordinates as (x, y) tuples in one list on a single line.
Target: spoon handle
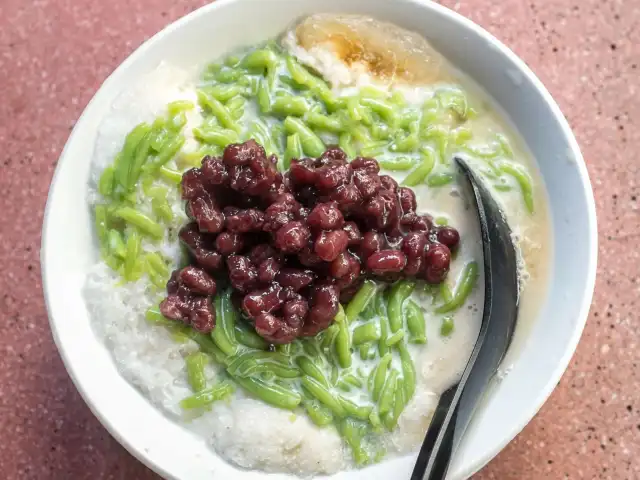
[(453, 413), (439, 439)]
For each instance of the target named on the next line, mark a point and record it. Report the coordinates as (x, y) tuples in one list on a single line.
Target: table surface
[(54, 54)]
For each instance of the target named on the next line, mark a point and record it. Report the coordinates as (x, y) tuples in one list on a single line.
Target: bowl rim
[(137, 451)]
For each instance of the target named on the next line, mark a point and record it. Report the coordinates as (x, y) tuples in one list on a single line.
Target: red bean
[(438, 256), (302, 172), (332, 176), (408, 220), (437, 260), (242, 274), (202, 316), (348, 197), (194, 310), (346, 269), (332, 155), (386, 261), (413, 247), (330, 244), (172, 306), (214, 171), (264, 300), (417, 223), (413, 244), (240, 178), (371, 243), (197, 280), (190, 236), (369, 165), (353, 233), (424, 223), (260, 253), (201, 247), (341, 265), (448, 236), (242, 153), (295, 312), (280, 186), (388, 183), (324, 307), (204, 211), (192, 184), (294, 278), (279, 214), (209, 260), (407, 200), (326, 216), (368, 184), (292, 237), (275, 329), (383, 210), (228, 243), (250, 171), (351, 278), (268, 270), (249, 220)]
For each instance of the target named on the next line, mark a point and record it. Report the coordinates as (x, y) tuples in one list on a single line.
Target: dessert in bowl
[(277, 255)]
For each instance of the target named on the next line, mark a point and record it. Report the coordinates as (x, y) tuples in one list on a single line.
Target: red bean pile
[(293, 246)]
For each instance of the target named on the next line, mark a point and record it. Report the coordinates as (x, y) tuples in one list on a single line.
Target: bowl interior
[(68, 248)]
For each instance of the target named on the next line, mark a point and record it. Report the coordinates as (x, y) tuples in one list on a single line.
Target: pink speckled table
[(55, 53)]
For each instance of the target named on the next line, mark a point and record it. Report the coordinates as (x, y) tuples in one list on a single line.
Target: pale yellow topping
[(387, 52)]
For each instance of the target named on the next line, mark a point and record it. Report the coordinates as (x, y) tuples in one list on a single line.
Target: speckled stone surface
[(55, 53)]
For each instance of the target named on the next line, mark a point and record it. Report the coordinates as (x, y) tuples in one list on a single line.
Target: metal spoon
[(457, 404)]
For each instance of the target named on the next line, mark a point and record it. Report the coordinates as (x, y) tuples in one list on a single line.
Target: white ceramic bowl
[(68, 247)]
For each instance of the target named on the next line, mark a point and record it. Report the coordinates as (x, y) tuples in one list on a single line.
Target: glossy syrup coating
[(294, 245)]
